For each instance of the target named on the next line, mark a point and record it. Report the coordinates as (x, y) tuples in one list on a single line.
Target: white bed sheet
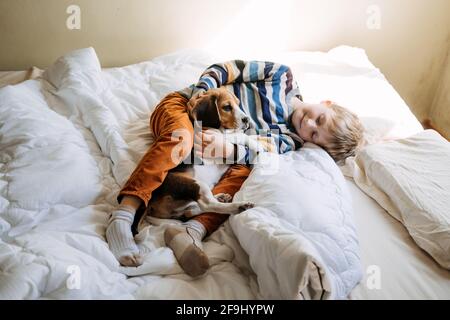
[(11, 77), (14, 77), (406, 272)]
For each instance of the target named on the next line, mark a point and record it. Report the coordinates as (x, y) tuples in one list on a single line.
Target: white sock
[(119, 235), (198, 227), (186, 243)]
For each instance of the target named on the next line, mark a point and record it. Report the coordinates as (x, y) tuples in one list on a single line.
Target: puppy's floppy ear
[(236, 100), (207, 112)]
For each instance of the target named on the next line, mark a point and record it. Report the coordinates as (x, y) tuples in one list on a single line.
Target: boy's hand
[(195, 99), (211, 144)]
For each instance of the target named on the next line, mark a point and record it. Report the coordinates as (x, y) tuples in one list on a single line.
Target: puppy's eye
[(227, 108)]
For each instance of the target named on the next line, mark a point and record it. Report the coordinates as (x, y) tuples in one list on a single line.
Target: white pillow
[(410, 178), (83, 61)]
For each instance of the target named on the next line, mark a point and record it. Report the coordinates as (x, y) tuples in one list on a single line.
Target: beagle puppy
[(181, 194), (219, 109)]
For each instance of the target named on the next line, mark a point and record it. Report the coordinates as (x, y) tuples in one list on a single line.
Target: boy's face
[(312, 122)]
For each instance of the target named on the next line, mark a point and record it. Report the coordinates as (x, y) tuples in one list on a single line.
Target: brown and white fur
[(181, 194)]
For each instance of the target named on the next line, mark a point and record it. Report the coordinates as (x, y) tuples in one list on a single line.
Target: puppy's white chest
[(209, 173)]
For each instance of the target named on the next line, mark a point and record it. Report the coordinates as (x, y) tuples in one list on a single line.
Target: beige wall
[(440, 110), (410, 47)]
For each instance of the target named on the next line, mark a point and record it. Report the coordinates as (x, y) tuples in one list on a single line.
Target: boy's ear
[(327, 102), (207, 112)]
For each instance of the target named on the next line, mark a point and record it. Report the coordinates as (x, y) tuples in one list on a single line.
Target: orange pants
[(173, 133)]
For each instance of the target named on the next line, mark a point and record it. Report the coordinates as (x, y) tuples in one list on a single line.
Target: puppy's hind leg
[(224, 197), (208, 203), (191, 210)]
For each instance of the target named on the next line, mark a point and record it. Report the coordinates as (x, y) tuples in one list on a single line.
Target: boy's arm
[(239, 71), (247, 147)]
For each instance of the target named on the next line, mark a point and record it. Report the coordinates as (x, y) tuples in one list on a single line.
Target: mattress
[(394, 266)]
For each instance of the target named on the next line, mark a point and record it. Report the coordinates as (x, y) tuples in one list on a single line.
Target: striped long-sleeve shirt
[(264, 90)]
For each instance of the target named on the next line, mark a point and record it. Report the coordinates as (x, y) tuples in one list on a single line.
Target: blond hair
[(347, 134)]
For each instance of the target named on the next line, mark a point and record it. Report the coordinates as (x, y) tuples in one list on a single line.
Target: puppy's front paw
[(224, 197), (131, 260), (245, 206)]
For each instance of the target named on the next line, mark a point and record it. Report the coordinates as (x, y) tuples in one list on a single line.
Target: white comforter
[(69, 141)]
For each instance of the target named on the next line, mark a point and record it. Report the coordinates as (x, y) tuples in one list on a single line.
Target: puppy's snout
[(246, 123)]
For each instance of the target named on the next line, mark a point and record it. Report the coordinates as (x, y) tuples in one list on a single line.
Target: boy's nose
[(311, 123)]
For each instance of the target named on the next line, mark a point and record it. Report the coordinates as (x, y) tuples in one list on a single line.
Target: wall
[(409, 47), (440, 110)]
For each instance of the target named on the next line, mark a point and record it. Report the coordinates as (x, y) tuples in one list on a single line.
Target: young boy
[(271, 98)]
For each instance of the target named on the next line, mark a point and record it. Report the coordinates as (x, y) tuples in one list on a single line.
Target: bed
[(56, 248)]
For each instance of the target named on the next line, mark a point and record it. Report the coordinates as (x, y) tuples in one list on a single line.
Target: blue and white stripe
[(264, 90)]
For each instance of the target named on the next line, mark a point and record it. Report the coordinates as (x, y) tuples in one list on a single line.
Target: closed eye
[(227, 108), (320, 119)]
